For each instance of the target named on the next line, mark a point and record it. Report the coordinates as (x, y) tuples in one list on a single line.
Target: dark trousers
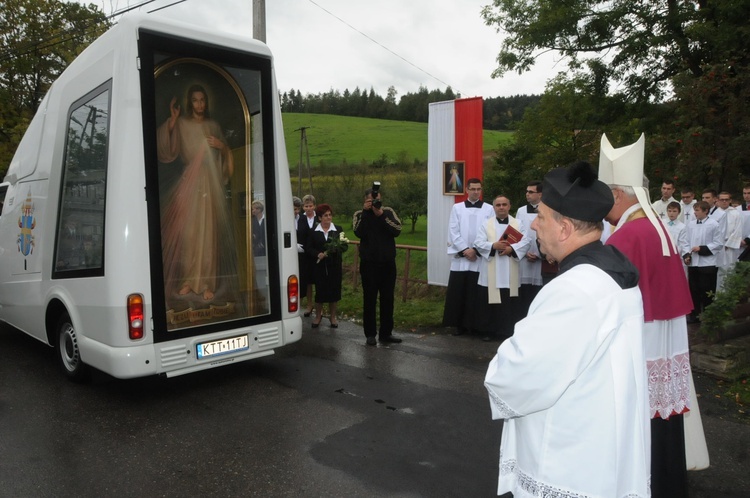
[(496, 320), (668, 466), (378, 278), (702, 280), (460, 299)]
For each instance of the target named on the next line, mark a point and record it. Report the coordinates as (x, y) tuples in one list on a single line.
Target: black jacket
[(377, 234)]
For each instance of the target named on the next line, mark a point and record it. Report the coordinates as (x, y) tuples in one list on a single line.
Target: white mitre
[(624, 166)]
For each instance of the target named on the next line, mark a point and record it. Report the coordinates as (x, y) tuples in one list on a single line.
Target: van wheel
[(68, 354)]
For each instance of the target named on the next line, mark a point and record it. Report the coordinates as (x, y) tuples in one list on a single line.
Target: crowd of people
[(710, 235), (681, 250), (589, 289), (320, 245)]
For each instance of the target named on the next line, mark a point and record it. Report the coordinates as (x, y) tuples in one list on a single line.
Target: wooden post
[(405, 286)]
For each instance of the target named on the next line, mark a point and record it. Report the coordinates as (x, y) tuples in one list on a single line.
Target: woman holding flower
[(325, 244)]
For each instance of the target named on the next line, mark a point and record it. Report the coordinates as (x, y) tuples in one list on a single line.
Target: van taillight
[(292, 293), (135, 316)]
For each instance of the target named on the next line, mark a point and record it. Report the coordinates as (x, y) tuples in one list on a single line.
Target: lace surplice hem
[(535, 488), (669, 385), (505, 410)]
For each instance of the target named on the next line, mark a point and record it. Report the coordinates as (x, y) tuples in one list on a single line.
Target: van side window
[(80, 230), (3, 192)]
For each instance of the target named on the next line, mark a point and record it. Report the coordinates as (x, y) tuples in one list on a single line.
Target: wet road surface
[(328, 416)]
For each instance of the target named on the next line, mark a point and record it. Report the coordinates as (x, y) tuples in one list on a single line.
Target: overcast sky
[(320, 45)]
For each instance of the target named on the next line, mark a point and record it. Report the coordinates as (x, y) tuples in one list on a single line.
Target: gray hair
[(296, 201), (308, 198), (629, 190), (625, 189)]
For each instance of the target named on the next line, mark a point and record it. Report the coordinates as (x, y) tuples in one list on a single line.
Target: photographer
[(377, 227)]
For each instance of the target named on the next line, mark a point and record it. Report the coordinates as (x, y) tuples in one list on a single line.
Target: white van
[(148, 226)]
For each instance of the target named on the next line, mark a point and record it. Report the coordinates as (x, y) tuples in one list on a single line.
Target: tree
[(38, 39), (564, 126), (409, 196), (503, 113), (641, 43), (705, 141)]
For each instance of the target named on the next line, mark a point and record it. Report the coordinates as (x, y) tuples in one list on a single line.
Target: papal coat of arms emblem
[(26, 223)]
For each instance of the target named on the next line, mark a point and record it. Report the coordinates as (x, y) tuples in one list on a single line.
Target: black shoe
[(315, 325), (308, 313), (371, 341), (391, 339)]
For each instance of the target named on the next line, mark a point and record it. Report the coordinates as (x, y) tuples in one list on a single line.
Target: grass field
[(333, 139)]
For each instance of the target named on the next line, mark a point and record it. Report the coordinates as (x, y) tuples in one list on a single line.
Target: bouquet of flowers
[(335, 245)]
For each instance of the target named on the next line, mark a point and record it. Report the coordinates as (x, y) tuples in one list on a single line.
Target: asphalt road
[(328, 416)]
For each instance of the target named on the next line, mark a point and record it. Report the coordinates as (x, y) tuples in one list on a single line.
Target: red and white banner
[(454, 134)]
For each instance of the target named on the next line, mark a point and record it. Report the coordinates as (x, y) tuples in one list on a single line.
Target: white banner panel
[(441, 133)]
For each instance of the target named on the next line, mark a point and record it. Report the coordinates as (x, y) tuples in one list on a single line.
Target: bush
[(718, 314)]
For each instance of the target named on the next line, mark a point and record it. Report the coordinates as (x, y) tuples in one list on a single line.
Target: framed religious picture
[(453, 177), (203, 140)]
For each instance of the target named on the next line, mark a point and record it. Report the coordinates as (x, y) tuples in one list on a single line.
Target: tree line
[(500, 113), (677, 71)]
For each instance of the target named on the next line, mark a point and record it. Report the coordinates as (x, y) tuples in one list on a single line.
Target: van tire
[(67, 352)]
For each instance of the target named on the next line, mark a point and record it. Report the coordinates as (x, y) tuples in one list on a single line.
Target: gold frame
[(241, 180), (458, 188)]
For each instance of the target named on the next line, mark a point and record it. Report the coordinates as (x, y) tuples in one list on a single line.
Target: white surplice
[(530, 272), (462, 230), (571, 386)]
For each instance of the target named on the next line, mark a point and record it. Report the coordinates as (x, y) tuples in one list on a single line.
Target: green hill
[(333, 139)]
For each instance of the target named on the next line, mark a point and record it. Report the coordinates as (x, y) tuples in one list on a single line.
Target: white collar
[(319, 228)]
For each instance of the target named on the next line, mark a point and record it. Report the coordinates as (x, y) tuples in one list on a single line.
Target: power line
[(382, 46)]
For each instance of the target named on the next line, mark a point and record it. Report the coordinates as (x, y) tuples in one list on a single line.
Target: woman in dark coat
[(305, 225), (326, 263)]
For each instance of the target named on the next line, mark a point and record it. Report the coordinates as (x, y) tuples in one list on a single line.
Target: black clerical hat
[(576, 192)]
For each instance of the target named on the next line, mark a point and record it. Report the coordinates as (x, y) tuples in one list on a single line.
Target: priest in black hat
[(570, 383)]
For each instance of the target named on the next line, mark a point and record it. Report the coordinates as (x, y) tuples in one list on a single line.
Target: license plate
[(224, 346)]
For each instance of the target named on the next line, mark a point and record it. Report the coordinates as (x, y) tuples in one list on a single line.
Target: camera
[(376, 203)]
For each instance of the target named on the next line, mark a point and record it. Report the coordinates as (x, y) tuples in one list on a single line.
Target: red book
[(512, 235)]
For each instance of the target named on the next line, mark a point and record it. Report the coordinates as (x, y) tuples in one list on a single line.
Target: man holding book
[(501, 244)]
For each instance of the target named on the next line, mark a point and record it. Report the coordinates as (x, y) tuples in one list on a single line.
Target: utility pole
[(259, 33), (259, 20), (303, 149)]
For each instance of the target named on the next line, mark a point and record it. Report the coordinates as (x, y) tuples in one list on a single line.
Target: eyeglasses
[(532, 192)]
